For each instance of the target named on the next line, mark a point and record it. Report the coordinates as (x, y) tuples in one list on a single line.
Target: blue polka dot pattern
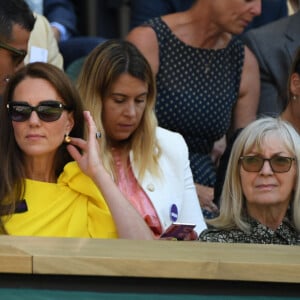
[(197, 90)]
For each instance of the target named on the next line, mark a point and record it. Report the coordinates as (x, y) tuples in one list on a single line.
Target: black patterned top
[(196, 91), (285, 234)]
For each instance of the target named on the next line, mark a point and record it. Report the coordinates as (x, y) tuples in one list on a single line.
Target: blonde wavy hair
[(101, 69)]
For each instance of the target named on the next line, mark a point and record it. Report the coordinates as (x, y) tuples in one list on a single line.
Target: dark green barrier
[(35, 294)]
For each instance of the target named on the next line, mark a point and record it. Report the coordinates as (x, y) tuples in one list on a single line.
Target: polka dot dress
[(197, 89)]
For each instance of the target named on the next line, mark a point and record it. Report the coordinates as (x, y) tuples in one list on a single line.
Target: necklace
[(207, 64)]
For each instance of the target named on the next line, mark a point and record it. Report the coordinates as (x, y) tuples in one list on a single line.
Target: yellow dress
[(72, 207)]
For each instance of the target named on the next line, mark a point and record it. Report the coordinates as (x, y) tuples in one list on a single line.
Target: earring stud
[(67, 138)]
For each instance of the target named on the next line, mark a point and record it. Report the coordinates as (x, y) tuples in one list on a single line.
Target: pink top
[(131, 189)]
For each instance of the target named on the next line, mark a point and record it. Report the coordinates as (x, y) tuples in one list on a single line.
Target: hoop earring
[(67, 138)]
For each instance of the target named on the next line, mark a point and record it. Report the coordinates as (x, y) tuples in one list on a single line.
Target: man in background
[(274, 46), (16, 23), (63, 18)]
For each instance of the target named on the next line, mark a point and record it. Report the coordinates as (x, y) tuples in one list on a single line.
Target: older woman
[(291, 113), (42, 192), (149, 164), (260, 202), (207, 80)]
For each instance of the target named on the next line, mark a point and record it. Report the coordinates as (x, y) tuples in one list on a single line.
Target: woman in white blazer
[(150, 164)]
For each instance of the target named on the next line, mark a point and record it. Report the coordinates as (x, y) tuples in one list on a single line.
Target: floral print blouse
[(285, 234)]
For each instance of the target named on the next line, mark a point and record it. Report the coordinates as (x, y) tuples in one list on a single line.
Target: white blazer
[(175, 188)]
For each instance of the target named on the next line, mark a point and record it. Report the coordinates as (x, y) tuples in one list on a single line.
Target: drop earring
[(67, 138), (295, 97)]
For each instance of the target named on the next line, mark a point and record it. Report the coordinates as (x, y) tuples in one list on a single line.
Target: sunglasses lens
[(19, 113), (278, 164), (17, 55), (252, 163), (49, 113), (17, 58), (281, 164)]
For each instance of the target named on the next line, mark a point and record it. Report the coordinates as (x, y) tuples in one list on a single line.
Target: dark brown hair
[(12, 167), (14, 12)]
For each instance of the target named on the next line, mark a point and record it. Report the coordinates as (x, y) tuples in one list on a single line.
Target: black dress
[(197, 90)]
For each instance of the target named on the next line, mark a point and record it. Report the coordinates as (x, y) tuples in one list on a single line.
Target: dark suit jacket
[(274, 46), (63, 12), (272, 10)]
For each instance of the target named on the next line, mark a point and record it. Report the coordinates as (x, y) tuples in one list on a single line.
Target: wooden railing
[(181, 267), (163, 259)]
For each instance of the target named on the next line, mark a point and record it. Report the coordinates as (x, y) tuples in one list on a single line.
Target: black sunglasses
[(48, 111), (17, 54), (278, 164)]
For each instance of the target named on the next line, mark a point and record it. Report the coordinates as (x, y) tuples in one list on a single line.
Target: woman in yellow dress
[(43, 191)]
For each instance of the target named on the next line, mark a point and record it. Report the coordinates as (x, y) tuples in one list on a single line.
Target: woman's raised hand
[(87, 157)]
